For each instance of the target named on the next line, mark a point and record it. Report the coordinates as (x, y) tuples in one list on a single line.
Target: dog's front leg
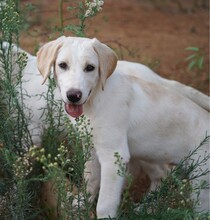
[(112, 183), (110, 191)]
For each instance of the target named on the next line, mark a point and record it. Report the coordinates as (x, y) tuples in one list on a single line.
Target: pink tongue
[(74, 110)]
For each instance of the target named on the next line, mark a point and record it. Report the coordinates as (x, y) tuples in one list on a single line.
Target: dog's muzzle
[(74, 95)]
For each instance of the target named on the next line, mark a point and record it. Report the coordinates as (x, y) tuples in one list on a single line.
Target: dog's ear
[(107, 60), (46, 56)]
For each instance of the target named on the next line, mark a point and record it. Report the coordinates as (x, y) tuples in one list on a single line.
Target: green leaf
[(196, 49), (191, 57), (191, 65), (200, 62)]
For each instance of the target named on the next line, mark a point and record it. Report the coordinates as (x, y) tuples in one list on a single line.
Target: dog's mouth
[(74, 110)]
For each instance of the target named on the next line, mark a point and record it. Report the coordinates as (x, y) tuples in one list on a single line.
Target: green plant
[(65, 170), (196, 59), (15, 138), (82, 11)]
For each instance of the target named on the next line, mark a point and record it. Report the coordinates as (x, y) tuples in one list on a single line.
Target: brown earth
[(153, 32)]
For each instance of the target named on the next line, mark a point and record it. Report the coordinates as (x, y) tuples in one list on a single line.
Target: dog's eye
[(63, 65), (89, 68)]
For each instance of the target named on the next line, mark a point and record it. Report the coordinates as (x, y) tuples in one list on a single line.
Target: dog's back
[(145, 73)]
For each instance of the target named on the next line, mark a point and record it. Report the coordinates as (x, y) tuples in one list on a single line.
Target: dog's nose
[(74, 95)]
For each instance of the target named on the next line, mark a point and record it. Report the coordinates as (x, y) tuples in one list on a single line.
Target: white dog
[(133, 112)]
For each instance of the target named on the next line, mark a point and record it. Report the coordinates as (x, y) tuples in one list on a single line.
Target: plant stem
[(61, 14)]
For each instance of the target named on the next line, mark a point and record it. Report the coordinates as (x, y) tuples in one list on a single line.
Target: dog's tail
[(194, 95)]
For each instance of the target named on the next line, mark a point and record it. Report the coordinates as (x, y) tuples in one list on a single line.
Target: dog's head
[(80, 64)]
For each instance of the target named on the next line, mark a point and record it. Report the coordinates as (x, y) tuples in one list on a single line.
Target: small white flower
[(93, 4), (93, 7), (99, 9), (100, 3), (87, 13)]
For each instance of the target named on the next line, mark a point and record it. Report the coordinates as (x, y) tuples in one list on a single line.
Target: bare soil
[(153, 32)]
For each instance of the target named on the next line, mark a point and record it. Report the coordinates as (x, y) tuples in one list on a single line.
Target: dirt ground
[(154, 32)]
